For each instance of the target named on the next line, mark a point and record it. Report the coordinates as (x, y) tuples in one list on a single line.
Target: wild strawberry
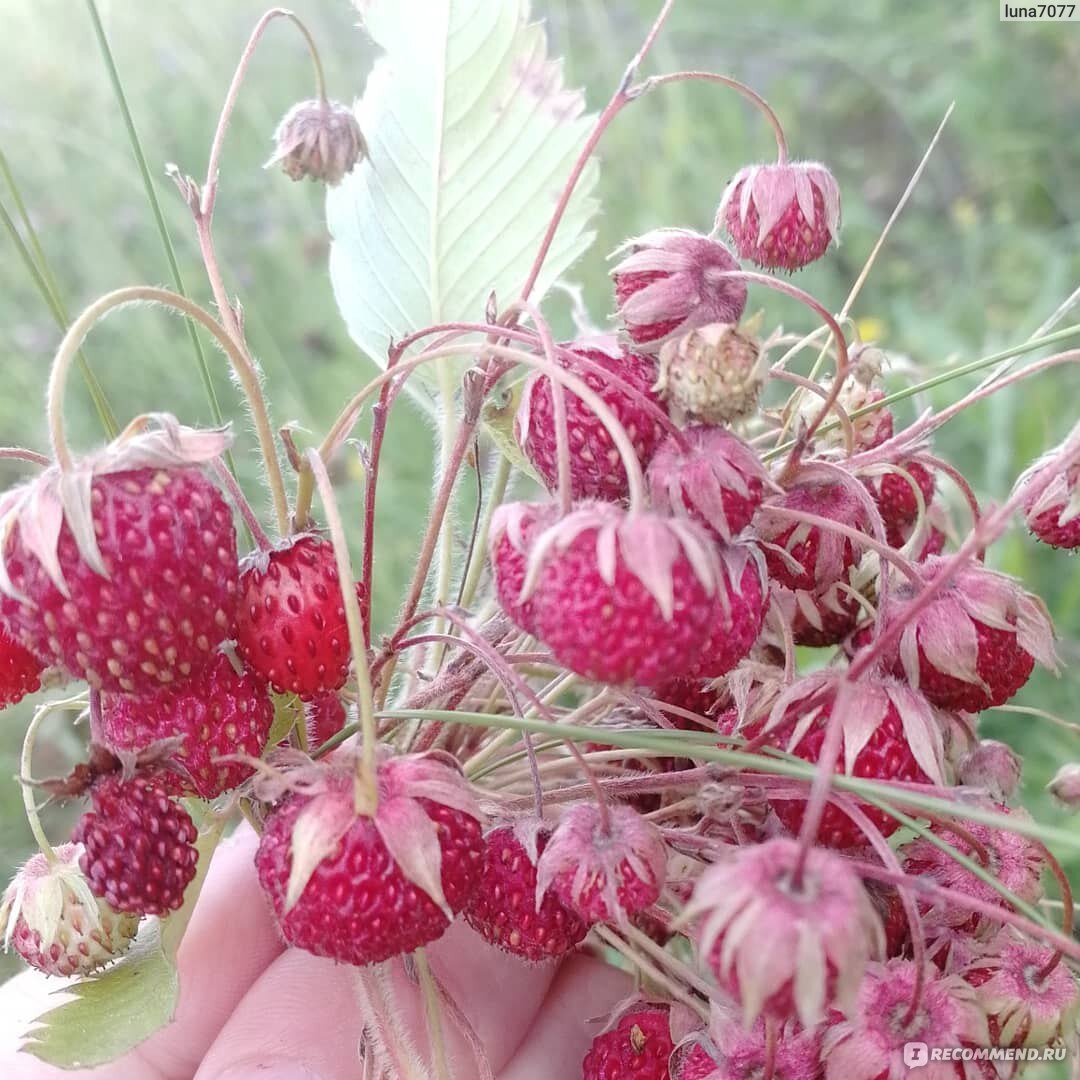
[(700, 696), (813, 569), (1065, 786), (786, 933), (713, 374), (324, 717), (672, 280), (603, 870), (932, 537), (637, 1048), (140, 846), (740, 611), (362, 888), (1029, 998), (710, 476), (291, 628), (55, 923), (596, 470), (736, 1053), (1053, 515), (976, 643), (513, 527), (889, 732), (214, 714), (1015, 861), (20, 671), (992, 766), (126, 578), (623, 597), (871, 1041), (806, 557), (503, 908), (781, 216), (894, 495)]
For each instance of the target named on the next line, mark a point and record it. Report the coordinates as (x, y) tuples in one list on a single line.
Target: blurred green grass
[(989, 246)]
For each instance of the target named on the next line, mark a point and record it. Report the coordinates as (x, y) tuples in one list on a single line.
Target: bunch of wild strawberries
[(696, 536)]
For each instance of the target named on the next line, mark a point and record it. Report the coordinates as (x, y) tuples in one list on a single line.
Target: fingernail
[(269, 1070)]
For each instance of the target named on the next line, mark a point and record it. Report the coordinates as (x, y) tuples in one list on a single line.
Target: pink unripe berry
[(1066, 785), (993, 766), (781, 216), (670, 281), (320, 140)]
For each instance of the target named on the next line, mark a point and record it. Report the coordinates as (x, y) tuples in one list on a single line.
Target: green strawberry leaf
[(472, 135)]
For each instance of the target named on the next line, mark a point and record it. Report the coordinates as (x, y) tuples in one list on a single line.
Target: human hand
[(251, 1008)]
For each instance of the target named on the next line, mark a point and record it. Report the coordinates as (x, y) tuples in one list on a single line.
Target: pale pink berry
[(1030, 998), (1065, 785), (869, 1043), (672, 280), (976, 643), (710, 476), (52, 919), (623, 597), (992, 766), (604, 874), (1014, 860), (624, 382), (784, 935), (1053, 514), (713, 374), (781, 216), (734, 1052)]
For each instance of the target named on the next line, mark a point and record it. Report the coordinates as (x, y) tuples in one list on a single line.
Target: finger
[(230, 940), (303, 994), (585, 989)]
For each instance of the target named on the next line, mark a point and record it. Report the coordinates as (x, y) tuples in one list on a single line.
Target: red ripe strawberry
[(324, 716), (670, 281), (215, 713), (513, 527), (603, 874), (140, 846), (595, 468), (888, 733), (894, 495), (53, 921), (503, 909), (637, 1048), (20, 671), (742, 1054), (1053, 515), (717, 480), (291, 628), (624, 597), (360, 888), (815, 557), (131, 583), (694, 695), (740, 612), (781, 216), (976, 643)]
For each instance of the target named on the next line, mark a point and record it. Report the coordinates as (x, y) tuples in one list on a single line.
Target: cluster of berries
[(130, 581), (656, 599)]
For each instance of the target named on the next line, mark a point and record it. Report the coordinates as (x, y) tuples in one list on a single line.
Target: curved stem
[(741, 88), (432, 1007), (242, 365), (17, 453), (209, 195), (26, 774), (243, 507), (1067, 909), (816, 388), (366, 793)]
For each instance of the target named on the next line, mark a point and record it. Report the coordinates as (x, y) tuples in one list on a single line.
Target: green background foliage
[(989, 246)]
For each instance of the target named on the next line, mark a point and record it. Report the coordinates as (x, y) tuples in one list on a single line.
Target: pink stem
[(226, 479), (17, 453)]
